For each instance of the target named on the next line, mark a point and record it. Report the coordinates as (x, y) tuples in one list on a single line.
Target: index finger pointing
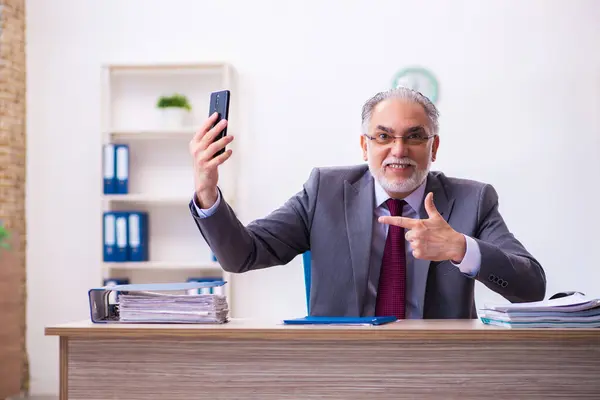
[(403, 222)]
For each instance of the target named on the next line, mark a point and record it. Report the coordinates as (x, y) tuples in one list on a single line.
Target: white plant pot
[(173, 117)]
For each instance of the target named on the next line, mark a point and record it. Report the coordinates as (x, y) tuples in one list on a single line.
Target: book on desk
[(324, 320)]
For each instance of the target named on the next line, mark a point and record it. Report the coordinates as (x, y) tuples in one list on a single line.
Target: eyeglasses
[(414, 139)]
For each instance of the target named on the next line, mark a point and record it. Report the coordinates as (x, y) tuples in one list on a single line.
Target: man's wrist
[(458, 248), (207, 198)]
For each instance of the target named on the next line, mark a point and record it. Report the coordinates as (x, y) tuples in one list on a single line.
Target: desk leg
[(64, 368)]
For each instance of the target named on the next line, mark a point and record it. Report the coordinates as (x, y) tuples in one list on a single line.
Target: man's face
[(400, 166)]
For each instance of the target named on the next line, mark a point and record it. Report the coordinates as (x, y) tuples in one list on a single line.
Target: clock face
[(418, 79)]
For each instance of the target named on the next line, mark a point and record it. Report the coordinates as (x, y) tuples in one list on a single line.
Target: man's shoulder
[(341, 174), (460, 187)]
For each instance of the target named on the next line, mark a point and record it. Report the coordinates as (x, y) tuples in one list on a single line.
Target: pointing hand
[(432, 238)]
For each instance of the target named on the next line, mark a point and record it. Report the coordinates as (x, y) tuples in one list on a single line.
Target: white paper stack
[(153, 307), (573, 311)]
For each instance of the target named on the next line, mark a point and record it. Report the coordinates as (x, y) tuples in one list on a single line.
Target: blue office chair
[(306, 262)]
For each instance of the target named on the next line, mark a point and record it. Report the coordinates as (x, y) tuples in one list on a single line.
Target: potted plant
[(174, 110)]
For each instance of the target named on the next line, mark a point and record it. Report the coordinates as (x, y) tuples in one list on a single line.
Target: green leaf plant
[(176, 100)]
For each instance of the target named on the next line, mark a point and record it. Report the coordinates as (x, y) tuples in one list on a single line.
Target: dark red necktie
[(392, 278)]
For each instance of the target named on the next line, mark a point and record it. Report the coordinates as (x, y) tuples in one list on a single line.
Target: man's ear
[(434, 149), (363, 145)]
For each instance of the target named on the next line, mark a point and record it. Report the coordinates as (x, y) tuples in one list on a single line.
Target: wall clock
[(419, 79)]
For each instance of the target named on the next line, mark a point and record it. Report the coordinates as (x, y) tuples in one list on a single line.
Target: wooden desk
[(254, 360)]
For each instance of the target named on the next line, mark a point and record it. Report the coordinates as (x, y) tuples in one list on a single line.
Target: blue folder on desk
[(340, 320)]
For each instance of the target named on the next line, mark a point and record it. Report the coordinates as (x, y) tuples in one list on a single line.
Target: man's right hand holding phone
[(203, 148)]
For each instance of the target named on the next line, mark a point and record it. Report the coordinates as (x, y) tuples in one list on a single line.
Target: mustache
[(401, 160)]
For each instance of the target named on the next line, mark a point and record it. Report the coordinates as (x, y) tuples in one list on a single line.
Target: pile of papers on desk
[(573, 311), (154, 307)]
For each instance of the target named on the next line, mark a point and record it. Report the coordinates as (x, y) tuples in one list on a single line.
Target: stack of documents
[(573, 311), (159, 302), (144, 307)]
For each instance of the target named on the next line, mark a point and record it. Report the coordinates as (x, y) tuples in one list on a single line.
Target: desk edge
[(317, 333)]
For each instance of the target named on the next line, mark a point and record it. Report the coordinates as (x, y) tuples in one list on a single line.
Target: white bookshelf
[(145, 198), (160, 166), (151, 134), (161, 266)]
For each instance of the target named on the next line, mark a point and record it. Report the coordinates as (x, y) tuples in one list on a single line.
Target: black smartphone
[(219, 103)]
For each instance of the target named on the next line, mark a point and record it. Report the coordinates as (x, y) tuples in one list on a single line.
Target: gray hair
[(406, 94)]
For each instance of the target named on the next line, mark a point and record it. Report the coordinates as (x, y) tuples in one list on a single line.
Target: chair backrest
[(306, 261)]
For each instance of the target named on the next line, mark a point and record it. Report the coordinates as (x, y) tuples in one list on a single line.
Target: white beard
[(409, 185)]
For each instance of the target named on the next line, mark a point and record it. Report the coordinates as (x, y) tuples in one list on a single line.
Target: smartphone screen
[(219, 103)]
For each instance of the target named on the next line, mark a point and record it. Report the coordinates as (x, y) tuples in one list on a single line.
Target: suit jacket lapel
[(444, 205), (441, 200), (359, 208)]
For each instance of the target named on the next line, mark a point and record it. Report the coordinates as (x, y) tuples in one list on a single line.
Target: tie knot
[(395, 206)]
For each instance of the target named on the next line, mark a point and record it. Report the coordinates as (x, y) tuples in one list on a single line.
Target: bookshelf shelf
[(157, 199), (162, 70), (159, 170), (162, 265), (152, 134)]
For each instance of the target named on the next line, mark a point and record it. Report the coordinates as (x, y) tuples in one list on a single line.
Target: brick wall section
[(13, 368)]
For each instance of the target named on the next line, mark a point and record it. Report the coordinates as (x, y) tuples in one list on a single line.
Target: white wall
[(520, 108)]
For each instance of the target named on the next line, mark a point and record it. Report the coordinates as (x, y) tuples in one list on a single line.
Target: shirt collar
[(414, 200)]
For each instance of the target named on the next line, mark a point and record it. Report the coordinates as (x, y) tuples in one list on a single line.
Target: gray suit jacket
[(332, 216)]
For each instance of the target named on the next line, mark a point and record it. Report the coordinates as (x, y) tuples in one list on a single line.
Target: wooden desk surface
[(276, 330), (250, 359)]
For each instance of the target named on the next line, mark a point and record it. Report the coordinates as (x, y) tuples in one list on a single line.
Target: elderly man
[(388, 237)]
